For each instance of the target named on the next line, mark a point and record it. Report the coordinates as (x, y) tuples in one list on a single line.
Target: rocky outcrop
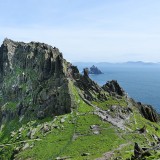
[(140, 153), (33, 80), (89, 88), (113, 88), (94, 70), (137, 151), (148, 112), (36, 83)]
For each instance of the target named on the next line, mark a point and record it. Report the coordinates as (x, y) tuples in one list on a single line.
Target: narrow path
[(108, 155), (118, 122)]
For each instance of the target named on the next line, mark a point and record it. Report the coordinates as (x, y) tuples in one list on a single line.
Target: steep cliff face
[(38, 87), (90, 90), (33, 80)]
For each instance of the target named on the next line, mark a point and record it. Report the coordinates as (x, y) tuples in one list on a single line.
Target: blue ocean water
[(141, 82)]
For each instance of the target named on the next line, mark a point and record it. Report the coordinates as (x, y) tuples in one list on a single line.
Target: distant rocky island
[(95, 70)]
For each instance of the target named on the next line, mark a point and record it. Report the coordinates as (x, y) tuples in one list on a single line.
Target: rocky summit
[(48, 110), (33, 80)]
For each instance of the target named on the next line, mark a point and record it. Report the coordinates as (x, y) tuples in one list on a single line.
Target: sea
[(141, 81)]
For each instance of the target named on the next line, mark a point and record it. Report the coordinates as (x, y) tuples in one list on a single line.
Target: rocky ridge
[(45, 96)]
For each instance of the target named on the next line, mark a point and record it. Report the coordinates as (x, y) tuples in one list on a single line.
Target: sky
[(87, 30)]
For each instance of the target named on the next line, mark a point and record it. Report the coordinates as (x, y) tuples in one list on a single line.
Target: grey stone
[(26, 145)]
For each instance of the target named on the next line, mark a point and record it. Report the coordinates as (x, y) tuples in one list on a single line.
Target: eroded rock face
[(33, 80), (148, 112), (89, 87), (113, 88), (34, 83)]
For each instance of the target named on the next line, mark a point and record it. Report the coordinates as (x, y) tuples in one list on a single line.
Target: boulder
[(26, 145), (85, 154), (46, 128), (62, 120), (142, 130)]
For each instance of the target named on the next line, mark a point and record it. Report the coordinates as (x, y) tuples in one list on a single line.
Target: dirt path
[(108, 155), (116, 121)]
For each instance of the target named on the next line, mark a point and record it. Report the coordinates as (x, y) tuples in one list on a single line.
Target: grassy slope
[(74, 137)]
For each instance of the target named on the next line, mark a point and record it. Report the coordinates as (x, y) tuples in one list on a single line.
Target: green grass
[(12, 106), (8, 128), (51, 145), (60, 142), (87, 142), (75, 136), (110, 102)]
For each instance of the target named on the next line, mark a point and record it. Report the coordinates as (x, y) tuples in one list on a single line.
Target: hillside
[(48, 110)]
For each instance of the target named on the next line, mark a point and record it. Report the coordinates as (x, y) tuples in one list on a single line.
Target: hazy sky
[(87, 30)]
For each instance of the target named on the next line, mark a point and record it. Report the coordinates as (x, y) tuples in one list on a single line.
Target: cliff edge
[(48, 110)]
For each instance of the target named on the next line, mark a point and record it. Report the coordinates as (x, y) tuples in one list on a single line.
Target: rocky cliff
[(33, 80), (48, 110)]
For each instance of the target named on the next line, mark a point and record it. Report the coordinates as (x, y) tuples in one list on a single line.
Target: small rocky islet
[(48, 110), (95, 70)]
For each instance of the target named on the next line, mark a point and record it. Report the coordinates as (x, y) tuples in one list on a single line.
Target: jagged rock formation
[(37, 83), (137, 151), (140, 153), (94, 70), (113, 88), (88, 87), (33, 80), (148, 112)]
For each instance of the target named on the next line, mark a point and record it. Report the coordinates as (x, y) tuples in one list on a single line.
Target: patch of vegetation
[(88, 142), (12, 106), (73, 136), (111, 102), (8, 128), (6, 153), (51, 144)]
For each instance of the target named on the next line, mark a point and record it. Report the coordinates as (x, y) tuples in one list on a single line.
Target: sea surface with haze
[(141, 81)]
